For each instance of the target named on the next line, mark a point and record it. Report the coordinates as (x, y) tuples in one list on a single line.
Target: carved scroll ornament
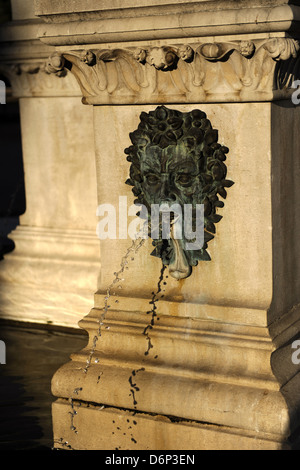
[(228, 71)]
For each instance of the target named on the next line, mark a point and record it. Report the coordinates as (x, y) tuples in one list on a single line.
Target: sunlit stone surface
[(203, 362)]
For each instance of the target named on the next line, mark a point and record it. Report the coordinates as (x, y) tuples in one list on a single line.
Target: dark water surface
[(33, 354)]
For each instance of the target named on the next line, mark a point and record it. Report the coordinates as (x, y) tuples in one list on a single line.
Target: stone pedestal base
[(205, 384), (115, 429)]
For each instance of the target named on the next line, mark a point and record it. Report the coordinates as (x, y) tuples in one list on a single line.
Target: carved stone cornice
[(259, 70)]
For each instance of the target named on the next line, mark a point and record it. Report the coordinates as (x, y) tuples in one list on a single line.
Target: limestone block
[(58, 163), (52, 274)]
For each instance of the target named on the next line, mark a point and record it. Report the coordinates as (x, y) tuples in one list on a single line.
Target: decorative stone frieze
[(258, 70)]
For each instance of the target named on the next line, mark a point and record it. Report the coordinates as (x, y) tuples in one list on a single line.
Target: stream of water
[(135, 246), (153, 313)]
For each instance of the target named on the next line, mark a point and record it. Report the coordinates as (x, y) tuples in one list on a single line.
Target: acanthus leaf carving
[(206, 72)]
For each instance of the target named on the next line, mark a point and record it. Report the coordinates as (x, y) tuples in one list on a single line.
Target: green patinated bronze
[(176, 158)]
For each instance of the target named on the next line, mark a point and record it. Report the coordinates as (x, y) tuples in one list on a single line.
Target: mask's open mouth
[(179, 268)]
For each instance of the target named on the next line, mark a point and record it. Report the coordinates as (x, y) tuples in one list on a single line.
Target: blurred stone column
[(51, 275)]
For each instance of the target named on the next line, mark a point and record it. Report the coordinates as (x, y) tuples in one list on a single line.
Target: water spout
[(179, 267)]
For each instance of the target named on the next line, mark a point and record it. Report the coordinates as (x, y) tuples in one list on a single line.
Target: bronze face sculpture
[(176, 160)]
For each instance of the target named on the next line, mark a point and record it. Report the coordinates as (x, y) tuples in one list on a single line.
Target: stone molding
[(239, 71), (147, 21)]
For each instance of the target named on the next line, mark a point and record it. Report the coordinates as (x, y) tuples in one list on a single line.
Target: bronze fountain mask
[(176, 159)]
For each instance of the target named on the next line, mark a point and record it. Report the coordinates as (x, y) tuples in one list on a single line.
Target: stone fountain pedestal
[(219, 373)]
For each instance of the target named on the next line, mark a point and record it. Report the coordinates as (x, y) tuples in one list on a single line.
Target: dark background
[(12, 191), (5, 11)]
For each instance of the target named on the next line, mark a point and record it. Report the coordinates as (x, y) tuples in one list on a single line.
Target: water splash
[(135, 246)]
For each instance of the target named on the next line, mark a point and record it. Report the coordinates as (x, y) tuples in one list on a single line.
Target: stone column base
[(99, 427), (206, 384)]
